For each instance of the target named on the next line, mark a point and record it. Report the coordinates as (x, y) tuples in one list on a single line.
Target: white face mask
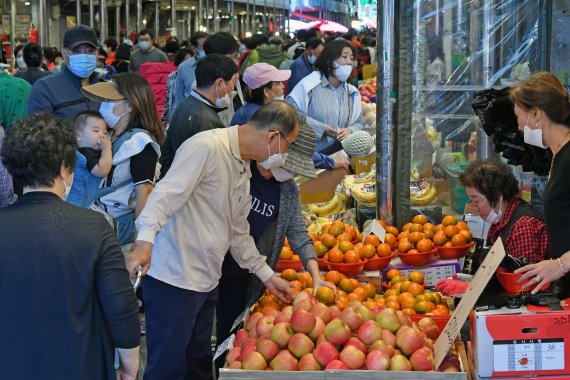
[(282, 175), (312, 59), (493, 216), (106, 111), (533, 136), (282, 97), (20, 63), (223, 101), (67, 189), (342, 72), (274, 160)]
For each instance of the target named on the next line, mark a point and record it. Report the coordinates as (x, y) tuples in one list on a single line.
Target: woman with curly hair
[(62, 271)]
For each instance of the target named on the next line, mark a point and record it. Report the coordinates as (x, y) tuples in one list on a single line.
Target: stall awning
[(324, 25)]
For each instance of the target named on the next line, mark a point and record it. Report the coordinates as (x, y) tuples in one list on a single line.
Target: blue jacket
[(300, 68), (245, 113), (60, 94), (184, 80)]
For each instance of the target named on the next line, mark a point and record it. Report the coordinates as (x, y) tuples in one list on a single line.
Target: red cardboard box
[(529, 344)]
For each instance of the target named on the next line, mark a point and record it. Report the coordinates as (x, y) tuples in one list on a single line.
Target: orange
[(354, 297), (361, 292), (413, 251), (341, 305), (351, 257), (392, 273), (393, 305), (449, 220), (390, 239), (380, 301), (417, 277), (344, 237), (402, 296), (397, 286), (346, 285), (404, 246), (367, 251), (370, 289), (392, 299), (336, 230), (439, 238), (424, 307), (409, 311), (467, 235), (442, 308), (405, 285), (286, 254), (448, 244), (372, 239), (420, 219), (338, 223), (397, 279), (439, 227), (433, 297), (335, 256), (458, 240), (392, 230), (352, 232), (383, 223), (360, 236), (333, 276), (306, 279), (325, 229), (313, 236), (264, 301), (428, 234), (345, 246), (416, 289), (384, 250), (320, 248), (462, 226), (429, 226), (424, 245), (391, 292), (325, 295), (406, 226), (295, 257), (408, 303), (416, 227), (328, 240), (268, 307), (286, 243), (403, 235), (449, 231), (414, 237), (355, 282), (370, 304), (296, 285), (289, 274)]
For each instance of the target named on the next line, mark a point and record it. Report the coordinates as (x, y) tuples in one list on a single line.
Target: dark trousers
[(232, 299), (178, 331)]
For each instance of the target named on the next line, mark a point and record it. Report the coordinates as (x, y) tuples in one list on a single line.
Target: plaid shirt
[(527, 237), (7, 196)]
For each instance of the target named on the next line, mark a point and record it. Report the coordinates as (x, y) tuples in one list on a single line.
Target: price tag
[(528, 355), (375, 228), (239, 319), (476, 287), (224, 346)]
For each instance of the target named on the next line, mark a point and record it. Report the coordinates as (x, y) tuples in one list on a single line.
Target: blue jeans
[(178, 331)]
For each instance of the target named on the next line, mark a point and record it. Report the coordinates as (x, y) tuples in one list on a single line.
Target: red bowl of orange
[(379, 263), (458, 252), (288, 264), (348, 269), (508, 281), (322, 264), (418, 259)]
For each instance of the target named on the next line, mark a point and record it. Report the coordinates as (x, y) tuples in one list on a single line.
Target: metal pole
[(127, 17), (207, 15), (103, 19), (139, 16), (216, 17), (233, 16), (91, 14), (254, 19), (78, 12), (174, 21), (265, 18), (42, 22), (156, 21), (12, 32), (118, 21), (247, 17)]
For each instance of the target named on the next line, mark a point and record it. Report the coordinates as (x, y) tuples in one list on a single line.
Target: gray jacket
[(289, 223)]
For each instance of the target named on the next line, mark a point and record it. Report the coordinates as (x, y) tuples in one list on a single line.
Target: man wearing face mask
[(146, 51), (60, 93), (493, 191), (199, 111), (194, 215), (305, 63), (32, 56)]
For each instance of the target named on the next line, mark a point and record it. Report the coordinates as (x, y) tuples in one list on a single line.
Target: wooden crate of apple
[(310, 336)]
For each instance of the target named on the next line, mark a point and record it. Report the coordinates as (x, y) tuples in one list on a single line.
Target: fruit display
[(422, 192), (336, 205), (288, 259), (362, 187), (451, 233), (367, 91), (310, 336)]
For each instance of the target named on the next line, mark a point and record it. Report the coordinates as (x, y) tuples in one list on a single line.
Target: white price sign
[(375, 228), (224, 346)]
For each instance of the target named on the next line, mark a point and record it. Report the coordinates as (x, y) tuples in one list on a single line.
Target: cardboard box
[(433, 273), (363, 164), (322, 188), (522, 344)]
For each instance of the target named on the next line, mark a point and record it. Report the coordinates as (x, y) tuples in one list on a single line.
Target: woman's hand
[(539, 274), (318, 282), (330, 132), (343, 133)]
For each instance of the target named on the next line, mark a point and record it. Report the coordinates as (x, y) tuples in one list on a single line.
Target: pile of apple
[(309, 336), (451, 233), (367, 90)]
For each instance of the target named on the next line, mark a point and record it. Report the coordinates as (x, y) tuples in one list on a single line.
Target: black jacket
[(32, 74), (67, 300), (194, 115)]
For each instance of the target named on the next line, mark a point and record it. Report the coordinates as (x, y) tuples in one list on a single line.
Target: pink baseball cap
[(262, 73)]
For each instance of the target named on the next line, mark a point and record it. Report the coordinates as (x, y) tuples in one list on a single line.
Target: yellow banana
[(426, 198), (364, 196), (325, 209)]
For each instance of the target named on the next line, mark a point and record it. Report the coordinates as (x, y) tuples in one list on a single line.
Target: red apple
[(233, 355), (365, 312), (302, 321), (377, 361), (308, 363), (281, 333), (389, 338), (325, 352), (354, 341), (303, 296), (236, 364), (351, 318), (318, 329), (400, 363), (282, 318), (249, 342), (422, 360), (252, 321), (336, 332), (246, 351), (369, 331), (268, 348), (241, 336), (264, 325), (254, 362), (287, 310), (321, 311), (380, 345), (409, 341), (428, 326), (320, 339), (335, 312), (335, 364), (352, 357), (300, 344), (284, 361), (404, 319)]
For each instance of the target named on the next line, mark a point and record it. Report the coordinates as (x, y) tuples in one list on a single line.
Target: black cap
[(78, 35)]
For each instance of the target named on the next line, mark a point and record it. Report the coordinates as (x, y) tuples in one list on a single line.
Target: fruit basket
[(449, 253), (288, 264), (322, 264), (379, 263), (508, 281), (348, 269), (418, 259)]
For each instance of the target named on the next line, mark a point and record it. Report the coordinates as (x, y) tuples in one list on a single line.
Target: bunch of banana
[(423, 195), (315, 227), (334, 206), (354, 179), (364, 193)]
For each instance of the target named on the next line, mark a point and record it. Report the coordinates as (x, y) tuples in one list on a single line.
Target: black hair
[(212, 67), (302, 34), (491, 178), (181, 56), (123, 52), (257, 95), (260, 39), (172, 46), (49, 53), (147, 31), (81, 118), (36, 147), (17, 50), (111, 43), (312, 33), (277, 115), (102, 52), (331, 52), (221, 43), (197, 36), (313, 43), (33, 55), (21, 39)]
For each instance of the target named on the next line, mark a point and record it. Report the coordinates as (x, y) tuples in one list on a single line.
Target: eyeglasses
[(475, 204), (282, 135)]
